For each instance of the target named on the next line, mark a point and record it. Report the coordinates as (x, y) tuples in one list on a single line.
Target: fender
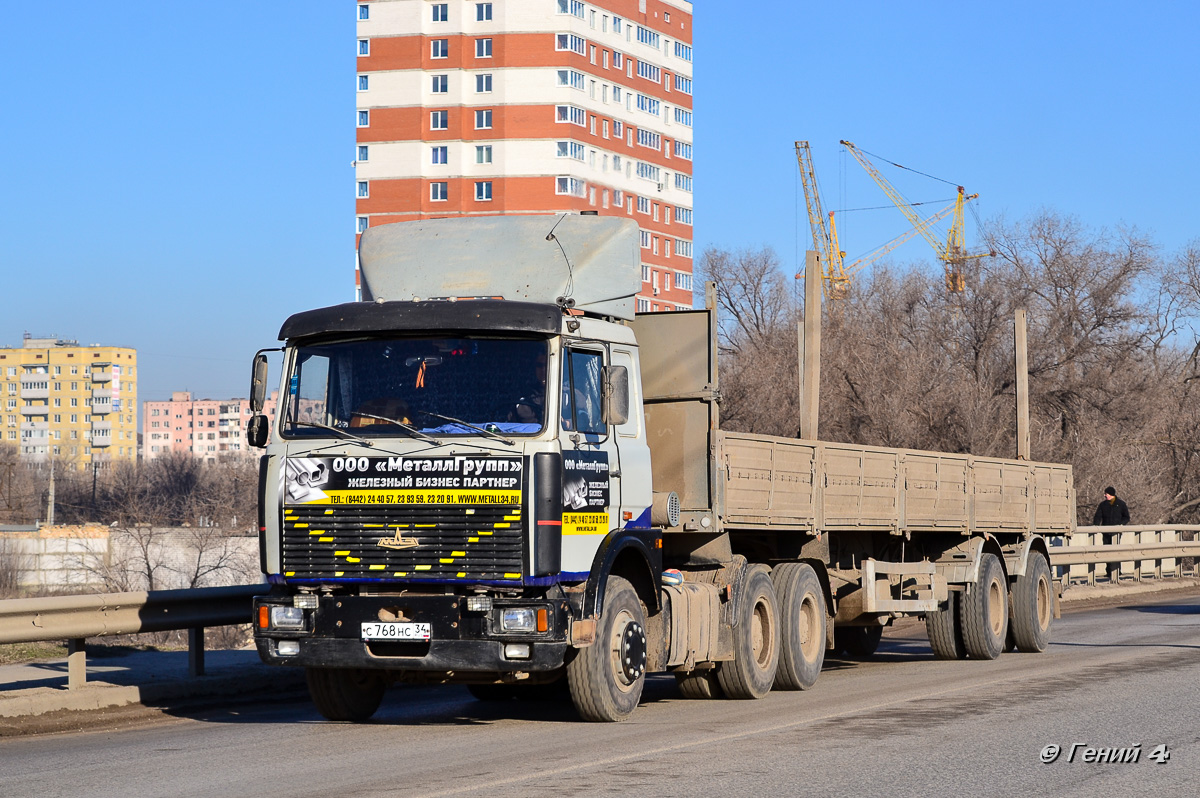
[(1016, 556), (640, 547)]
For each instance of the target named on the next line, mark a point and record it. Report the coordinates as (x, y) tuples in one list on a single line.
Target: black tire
[(756, 639), (857, 641), (945, 631), (1033, 606), (345, 693), (985, 611), (699, 685), (606, 678), (802, 625)]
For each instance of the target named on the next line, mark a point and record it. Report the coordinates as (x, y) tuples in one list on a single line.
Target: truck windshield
[(404, 386)]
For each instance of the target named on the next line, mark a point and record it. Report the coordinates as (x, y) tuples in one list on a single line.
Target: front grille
[(481, 542)]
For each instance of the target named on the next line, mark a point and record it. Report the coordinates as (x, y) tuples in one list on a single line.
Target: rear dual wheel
[(1033, 606), (756, 638), (802, 630)]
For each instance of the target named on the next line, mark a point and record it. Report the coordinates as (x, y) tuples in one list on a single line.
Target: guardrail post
[(76, 663), (1158, 564), (1091, 569), (1137, 564), (196, 651)]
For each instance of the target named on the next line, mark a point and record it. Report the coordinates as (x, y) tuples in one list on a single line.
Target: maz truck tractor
[(490, 471)]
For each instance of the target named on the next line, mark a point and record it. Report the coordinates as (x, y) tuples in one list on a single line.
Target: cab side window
[(581, 409)]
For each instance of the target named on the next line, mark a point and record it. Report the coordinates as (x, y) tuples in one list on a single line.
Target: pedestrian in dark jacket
[(1111, 512)]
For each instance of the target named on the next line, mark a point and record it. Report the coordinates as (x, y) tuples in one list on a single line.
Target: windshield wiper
[(452, 420), (341, 432), (416, 433)]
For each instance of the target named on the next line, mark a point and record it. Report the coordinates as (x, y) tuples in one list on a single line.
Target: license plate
[(381, 630)]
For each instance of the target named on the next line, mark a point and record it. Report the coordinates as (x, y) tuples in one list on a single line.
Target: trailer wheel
[(945, 631), (1032, 606), (345, 693), (756, 638), (802, 627), (606, 678), (985, 611), (857, 641), (699, 685)]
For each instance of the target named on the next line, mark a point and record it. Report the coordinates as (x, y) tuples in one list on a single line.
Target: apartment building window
[(483, 83), (441, 12), (441, 154), (364, 152), (364, 118), (618, 128), (439, 120), (683, 281), (618, 195), (483, 153), (683, 150), (439, 48), (605, 59), (483, 12), (648, 171), (364, 11), (648, 71), (570, 185), (683, 182), (683, 51), (364, 46), (364, 189), (643, 205), (617, 162), (616, 24), (572, 7), (483, 119), (648, 138), (483, 190), (361, 224), (438, 191), (648, 104), (570, 113), (683, 215), (570, 77), (617, 63), (569, 41), (363, 82), (570, 149), (683, 84), (441, 84), (646, 238), (643, 305), (683, 116), (483, 48), (647, 36)]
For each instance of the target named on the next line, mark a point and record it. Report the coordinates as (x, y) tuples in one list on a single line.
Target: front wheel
[(755, 639), (1032, 606), (606, 678), (345, 693)]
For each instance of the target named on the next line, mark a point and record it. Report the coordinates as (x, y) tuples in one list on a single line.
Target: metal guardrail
[(1148, 546), (76, 618)]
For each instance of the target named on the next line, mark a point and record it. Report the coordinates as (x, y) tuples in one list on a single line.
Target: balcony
[(35, 389), (37, 429), (101, 439), (101, 374), (35, 410), (101, 408), (101, 427), (101, 393)]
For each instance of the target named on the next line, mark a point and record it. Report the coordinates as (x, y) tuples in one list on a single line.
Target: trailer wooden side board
[(771, 482)]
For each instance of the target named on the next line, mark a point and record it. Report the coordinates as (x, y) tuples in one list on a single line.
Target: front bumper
[(461, 642)]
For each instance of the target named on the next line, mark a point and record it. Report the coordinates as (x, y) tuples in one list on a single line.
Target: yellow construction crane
[(953, 253), (836, 274)]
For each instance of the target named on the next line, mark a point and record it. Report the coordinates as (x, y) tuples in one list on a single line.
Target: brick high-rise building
[(532, 107), (77, 404), (205, 428)]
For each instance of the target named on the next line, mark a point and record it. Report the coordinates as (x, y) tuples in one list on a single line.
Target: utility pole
[(50, 497), (810, 348)]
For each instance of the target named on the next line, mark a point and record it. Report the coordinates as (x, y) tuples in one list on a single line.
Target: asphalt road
[(901, 724)]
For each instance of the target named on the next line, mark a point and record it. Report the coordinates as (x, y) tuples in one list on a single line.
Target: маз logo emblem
[(398, 542)]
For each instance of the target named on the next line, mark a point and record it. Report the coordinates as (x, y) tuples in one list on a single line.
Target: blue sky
[(176, 176)]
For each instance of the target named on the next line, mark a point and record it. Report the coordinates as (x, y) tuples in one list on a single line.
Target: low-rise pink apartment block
[(207, 428)]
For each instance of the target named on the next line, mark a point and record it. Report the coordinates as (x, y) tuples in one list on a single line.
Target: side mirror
[(258, 383), (258, 431), (616, 395)]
